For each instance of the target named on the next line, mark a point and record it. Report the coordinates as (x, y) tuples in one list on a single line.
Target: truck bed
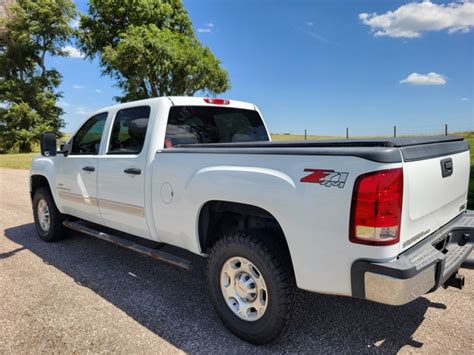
[(382, 150)]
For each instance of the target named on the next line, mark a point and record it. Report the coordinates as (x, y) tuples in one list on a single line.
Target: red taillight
[(217, 101), (377, 208)]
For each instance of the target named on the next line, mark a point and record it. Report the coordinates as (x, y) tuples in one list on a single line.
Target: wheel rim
[(43, 215), (243, 288)]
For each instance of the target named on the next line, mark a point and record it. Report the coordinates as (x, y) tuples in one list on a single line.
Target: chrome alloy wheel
[(42, 212), (243, 288)]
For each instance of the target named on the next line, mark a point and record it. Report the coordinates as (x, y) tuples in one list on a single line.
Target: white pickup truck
[(383, 219)]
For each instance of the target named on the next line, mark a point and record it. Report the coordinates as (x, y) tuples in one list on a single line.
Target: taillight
[(377, 208), (217, 101)]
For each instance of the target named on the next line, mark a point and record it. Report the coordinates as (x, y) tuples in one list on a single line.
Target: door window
[(87, 139), (129, 130)]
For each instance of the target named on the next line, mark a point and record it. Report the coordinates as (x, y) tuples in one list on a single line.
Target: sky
[(323, 65)]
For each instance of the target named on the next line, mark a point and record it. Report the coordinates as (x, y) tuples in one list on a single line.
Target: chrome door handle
[(133, 171), (88, 168)]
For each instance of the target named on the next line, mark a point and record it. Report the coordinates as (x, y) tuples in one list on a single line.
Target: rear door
[(77, 173), (121, 176)]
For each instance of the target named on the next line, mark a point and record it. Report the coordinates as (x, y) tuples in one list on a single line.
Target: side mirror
[(48, 144)]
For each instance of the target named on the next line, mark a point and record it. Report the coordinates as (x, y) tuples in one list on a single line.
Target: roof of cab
[(180, 101)]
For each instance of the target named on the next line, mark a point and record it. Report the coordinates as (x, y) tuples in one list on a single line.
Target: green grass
[(23, 161), (16, 161)]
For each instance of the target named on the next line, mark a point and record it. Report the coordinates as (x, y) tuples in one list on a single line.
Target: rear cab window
[(204, 124)]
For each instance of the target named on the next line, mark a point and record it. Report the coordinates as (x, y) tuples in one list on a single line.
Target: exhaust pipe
[(456, 280), (468, 263)]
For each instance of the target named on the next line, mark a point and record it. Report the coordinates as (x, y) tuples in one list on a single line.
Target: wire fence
[(381, 131)]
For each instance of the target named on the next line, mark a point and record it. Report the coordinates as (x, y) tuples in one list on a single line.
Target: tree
[(150, 48), (28, 93)]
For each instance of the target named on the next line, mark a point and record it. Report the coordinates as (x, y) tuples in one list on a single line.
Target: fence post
[(305, 134), (394, 131), (347, 133), (445, 129)]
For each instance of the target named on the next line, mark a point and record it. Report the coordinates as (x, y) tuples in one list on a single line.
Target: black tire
[(56, 230), (276, 270)]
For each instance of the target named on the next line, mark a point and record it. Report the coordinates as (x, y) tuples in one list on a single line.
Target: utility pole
[(445, 129), (347, 133), (394, 131), (305, 134)]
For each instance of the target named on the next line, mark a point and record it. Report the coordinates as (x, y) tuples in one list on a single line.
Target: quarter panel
[(314, 218)]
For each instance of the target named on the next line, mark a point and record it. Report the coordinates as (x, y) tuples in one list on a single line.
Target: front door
[(121, 184), (77, 173)]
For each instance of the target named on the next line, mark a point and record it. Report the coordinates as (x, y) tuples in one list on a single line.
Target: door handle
[(446, 167), (88, 168), (133, 171)]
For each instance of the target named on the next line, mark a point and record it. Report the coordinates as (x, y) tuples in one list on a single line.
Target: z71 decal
[(326, 178)]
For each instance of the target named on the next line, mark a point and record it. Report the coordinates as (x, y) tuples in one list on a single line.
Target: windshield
[(201, 124)]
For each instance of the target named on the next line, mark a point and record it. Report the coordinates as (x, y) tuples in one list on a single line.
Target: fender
[(44, 166)]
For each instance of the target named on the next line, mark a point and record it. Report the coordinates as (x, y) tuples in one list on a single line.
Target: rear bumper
[(418, 270)]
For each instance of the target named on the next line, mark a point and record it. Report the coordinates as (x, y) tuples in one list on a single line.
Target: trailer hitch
[(456, 280)]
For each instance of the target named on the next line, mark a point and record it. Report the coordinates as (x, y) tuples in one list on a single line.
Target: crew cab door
[(77, 172), (121, 176)]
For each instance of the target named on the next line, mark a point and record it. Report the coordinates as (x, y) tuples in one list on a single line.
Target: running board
[(127, 244)]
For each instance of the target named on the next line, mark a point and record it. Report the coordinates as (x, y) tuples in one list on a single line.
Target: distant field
[(16, 161), (299, 137), (23, 161)]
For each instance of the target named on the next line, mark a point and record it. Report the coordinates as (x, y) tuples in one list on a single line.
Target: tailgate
[(435, 190)]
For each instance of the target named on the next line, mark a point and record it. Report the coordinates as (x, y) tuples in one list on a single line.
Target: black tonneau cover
[(383, 150), (378, 142)]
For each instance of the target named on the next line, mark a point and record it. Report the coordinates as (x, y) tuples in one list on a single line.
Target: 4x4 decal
[(326, 178)]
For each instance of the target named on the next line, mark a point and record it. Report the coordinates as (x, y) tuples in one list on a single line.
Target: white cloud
[(309, 23), (465, 99), (64, 104), (73, 52), (412, 19), (317, 36), (98, 91), (207, 28), (78, 87), (424, 79)]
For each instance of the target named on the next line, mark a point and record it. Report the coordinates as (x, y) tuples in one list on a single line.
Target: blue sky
[(325, 65)]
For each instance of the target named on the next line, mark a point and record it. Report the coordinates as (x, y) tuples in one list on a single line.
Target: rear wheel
[(251, 286), (48, 219)]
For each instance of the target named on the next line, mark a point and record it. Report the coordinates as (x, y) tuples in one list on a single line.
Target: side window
[(129, 130), (87, 139)]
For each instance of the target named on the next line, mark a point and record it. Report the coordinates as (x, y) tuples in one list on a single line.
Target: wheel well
[(218, 218), (38, 181)]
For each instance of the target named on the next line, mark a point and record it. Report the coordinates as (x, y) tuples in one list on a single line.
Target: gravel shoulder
[(84, 295)]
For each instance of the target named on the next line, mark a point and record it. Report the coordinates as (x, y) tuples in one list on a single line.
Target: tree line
[(149, 47)]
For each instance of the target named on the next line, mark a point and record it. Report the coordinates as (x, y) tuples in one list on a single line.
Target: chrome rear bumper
[(420, 269)]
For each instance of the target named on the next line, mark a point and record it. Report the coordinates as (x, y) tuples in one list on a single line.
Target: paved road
[(83, 295)]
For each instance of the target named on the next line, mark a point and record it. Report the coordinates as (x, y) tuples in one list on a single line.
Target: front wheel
[(251, 286), (48, 219)]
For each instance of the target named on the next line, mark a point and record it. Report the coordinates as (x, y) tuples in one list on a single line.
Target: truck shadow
[(173, 303)]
